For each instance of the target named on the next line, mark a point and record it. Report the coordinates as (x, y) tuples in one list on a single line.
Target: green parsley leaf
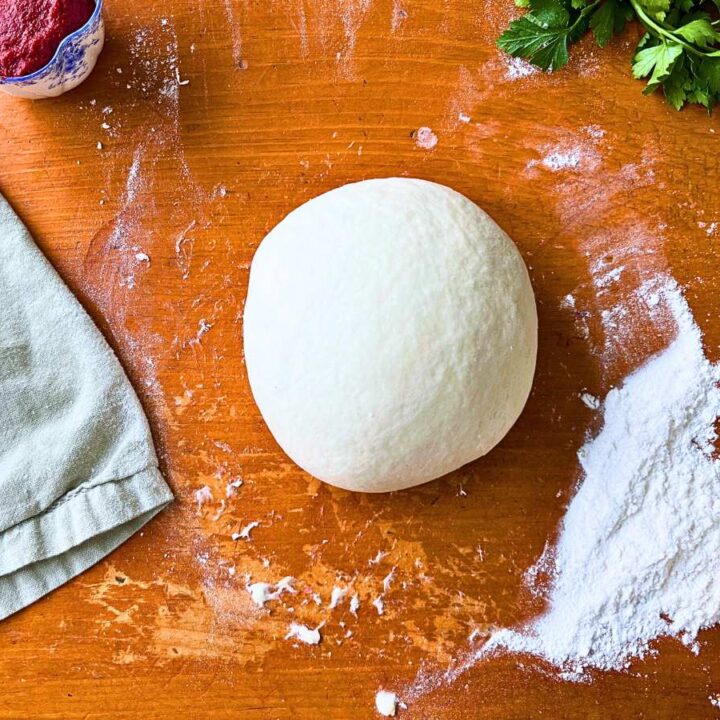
[(700, 31), (657, 9), (609, 19), (658, 60), (680, 51), (677, 83), (707, 73), (541, 36)]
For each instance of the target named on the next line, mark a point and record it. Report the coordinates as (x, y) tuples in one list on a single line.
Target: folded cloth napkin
[(78, 470)]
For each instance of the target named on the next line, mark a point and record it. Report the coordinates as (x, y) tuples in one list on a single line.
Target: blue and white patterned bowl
[(72, 62)]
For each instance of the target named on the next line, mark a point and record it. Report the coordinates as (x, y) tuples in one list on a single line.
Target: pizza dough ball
[(390, 333)]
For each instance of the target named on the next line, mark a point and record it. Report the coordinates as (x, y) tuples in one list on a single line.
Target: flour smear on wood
[(639, 549)]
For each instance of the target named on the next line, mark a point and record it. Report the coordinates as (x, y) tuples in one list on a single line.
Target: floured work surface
[(150, 187)]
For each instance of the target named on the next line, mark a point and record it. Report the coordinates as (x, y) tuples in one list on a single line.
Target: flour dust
[(234, 28), (639, 549)]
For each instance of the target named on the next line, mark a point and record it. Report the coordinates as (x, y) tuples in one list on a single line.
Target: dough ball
[(390, 333)]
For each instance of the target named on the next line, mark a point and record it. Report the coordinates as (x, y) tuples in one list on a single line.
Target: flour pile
[(638, 555)]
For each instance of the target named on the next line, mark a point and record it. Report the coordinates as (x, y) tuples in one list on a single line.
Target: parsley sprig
[(679, 52)]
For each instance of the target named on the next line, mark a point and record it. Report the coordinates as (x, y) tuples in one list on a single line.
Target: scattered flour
[(595, 132), (563, 159), (517, 68), (568, 301), (399, 15), (386, 703), (151, 80), (244, 533), (353, 14), (220, 510), (388, 579), (604, 280), (184, 250), (262, 592), (203, 496), (336, 597), (204, 328), (234, 28), (126, 220), (580, 153), (639, 548), (304, 634), (379, 605), (232, 487), (590, 401)]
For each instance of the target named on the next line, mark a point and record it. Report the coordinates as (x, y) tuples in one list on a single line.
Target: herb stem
[(586, 11), (663, 32)]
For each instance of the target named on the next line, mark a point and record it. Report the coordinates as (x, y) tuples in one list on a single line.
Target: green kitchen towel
[(78, 470)]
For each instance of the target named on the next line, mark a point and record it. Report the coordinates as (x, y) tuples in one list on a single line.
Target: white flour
[(336, 597), (580, 157), (234, 28), (379, 605), (638, 555), (386, 703), (263, 592), (244, 533), (304, 634), (518, 68)]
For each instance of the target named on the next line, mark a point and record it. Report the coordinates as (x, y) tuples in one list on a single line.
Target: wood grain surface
[(214, 120)]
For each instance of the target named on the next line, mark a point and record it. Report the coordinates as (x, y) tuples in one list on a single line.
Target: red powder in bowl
[(31, 30)]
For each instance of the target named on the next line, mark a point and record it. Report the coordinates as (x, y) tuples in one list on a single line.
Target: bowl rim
[(9, 79)]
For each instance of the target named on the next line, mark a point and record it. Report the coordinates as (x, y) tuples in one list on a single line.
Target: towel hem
[(46, 550)]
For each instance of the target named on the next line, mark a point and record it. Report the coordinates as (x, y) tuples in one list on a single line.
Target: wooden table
[(214, 120)]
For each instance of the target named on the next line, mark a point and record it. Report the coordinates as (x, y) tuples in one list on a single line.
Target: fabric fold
[(78, 469)]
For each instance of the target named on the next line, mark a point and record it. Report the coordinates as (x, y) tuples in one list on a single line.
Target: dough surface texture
[(390, 333)]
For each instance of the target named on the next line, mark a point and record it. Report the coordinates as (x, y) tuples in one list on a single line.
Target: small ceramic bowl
[(72, 62)]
